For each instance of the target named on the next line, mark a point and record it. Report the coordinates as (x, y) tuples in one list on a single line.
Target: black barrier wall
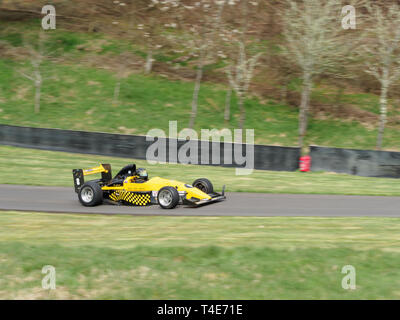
[(130, 146), (367, 163)]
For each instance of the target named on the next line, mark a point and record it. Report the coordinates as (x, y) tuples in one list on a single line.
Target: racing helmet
[(142, 173)]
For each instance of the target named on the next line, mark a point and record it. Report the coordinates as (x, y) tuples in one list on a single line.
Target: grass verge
[(38, 167), (119, 257)]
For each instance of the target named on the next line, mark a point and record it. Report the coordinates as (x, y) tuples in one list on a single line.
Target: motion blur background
[(111, 64), (285, 68)]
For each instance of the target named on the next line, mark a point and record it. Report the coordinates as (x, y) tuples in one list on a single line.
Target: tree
[(129, 16), (227, 112), (121, 8), (140, 21), (202, 40), (227, 37), (36, 59), (240, 67), (383, 55), (122, 68), (151, 30), (311, 30), (240, 75), (202, 52)]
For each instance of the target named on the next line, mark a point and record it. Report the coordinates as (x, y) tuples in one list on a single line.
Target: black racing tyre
[(204, 185), (90, 194), (168, 197)]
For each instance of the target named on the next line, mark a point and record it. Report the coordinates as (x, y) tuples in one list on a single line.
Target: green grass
[(80, 98), (119, 257), (54, 168), (127, 257), (76, 96)]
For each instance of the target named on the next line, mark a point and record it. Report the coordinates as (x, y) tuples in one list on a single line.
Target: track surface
[(64, 200)]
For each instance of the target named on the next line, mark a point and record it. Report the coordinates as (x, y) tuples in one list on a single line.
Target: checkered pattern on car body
[(135, 198)]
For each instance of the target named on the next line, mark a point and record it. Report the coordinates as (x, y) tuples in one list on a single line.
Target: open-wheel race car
[(131, 186)]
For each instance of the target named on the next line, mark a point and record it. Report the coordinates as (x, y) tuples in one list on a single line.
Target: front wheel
[(90, 194), (168, 198), (204, 185)]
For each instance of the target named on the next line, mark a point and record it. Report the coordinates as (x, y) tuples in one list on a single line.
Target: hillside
[(82, 68)]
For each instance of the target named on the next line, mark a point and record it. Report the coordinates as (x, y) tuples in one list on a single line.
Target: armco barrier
[(367, 163), (130, 146)]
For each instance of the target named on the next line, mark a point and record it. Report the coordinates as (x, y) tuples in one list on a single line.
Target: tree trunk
[(149, 61), (284, 93), (117, 89), (242, 110), (37, 97), (304, 108), (38, 89), (383, 112), (195, 100), (338, 97), (284, 89), (227, 113)]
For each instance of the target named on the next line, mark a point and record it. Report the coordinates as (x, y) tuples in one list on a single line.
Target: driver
[(141, 174)]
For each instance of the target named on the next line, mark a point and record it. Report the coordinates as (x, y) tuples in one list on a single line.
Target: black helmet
[(142, 173)]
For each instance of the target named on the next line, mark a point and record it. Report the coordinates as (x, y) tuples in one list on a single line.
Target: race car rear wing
[(79, 174)]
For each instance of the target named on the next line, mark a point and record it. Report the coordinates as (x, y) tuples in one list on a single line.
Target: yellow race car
[(131, 186)]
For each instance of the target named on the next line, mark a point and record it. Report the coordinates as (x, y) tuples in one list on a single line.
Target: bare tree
[(226, 35), (127, 16), (141, 22), (383, 55), (227, 112), (145, 27), (240, 75), (203, 37), (123, 12), (235, 35), (36, 59), (151, 29), (122, 72), (117, 87), (202, 49), (149, 35), (311, 29)]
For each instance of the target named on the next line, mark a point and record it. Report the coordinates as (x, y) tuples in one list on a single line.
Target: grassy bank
[(103, 257), (38, 167), (81, 99), (81, 72)]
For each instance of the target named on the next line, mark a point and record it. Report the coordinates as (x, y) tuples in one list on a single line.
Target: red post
[(305, 163)]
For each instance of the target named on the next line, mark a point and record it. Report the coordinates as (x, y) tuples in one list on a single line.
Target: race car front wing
[(215, 197)]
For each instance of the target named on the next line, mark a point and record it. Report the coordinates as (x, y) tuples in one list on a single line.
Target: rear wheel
[(90, 194), (204, 185), (168, 198)]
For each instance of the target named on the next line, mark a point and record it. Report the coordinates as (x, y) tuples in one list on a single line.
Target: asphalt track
[(65, 200)]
